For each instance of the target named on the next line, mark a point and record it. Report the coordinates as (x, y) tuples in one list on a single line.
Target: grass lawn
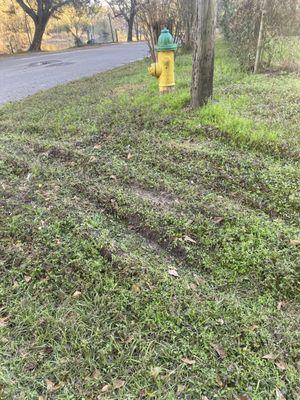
[(147, 250)]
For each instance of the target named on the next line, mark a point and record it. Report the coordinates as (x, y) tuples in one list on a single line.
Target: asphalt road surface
[(21, 76)]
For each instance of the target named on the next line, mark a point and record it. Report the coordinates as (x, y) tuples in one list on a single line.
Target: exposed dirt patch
[(160, 199)]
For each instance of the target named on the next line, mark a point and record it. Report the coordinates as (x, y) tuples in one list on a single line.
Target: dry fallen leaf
[(15, 285), (270, 357), (173, 272), (244, 397), (48, 350), (97, 146), (27, 278), (295, 242), (204, 398), (192, 286), (129, 156), (188, 361), (155, 372), (281, 305), (52, 386), (218, 220), (118, 384), (136, 289), (199, 281), (96, 374), (219, 350), (279, 395), (220, 382), (129, 339), (189, 239), (254, 328), (31, 366), (280, 364), (3, 322), (76, 294), (106, 388)]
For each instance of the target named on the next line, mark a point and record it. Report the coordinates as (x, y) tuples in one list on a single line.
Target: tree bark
[(204, 49)]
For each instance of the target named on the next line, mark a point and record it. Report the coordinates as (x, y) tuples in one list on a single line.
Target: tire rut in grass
[(238, 182), (220, 181), (135, 221)]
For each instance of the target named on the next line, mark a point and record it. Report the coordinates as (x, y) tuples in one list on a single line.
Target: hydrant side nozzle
[(155, 70)]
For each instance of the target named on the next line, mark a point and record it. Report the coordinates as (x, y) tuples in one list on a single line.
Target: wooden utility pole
[(260, 41), (204, 51)]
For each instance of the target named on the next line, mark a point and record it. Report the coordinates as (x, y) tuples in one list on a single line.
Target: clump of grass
[(239, 128)]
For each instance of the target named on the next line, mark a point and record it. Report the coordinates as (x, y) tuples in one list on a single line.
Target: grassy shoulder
[(150, 251)]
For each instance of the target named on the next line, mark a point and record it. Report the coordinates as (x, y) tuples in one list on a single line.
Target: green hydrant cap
[(166, 41)]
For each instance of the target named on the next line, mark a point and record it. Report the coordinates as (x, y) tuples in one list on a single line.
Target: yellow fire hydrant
[(164, 68)]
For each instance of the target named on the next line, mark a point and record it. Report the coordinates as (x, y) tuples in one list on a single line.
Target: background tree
[(154, 15), (127, 9), (203, 56), (40, 11), (187, 13), (77, 20), (15, 27)]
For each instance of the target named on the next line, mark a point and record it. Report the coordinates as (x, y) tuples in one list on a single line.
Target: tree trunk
[(77, 41), (39, 31), (204, 49), (137, 34), (130, 27), (188, 18), (111, 29), (260, 41)]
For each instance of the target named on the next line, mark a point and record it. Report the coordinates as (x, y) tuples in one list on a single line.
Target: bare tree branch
[(27, 9)]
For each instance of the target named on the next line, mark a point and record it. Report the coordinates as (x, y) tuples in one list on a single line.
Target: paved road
[(21, 76)]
